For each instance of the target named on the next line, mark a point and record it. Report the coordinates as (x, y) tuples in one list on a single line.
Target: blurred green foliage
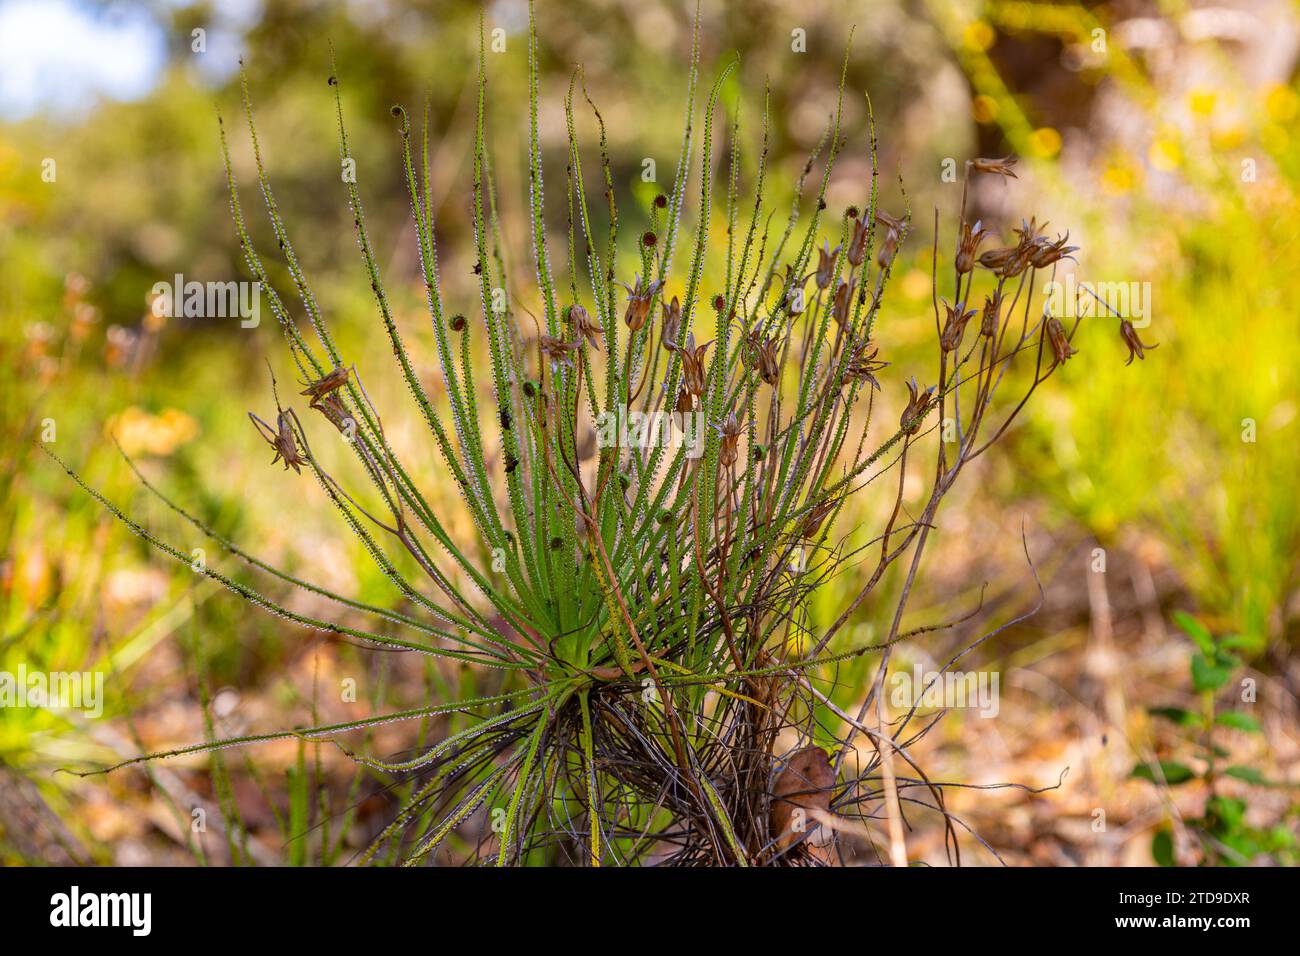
[(1196, 446), (1224, 834)]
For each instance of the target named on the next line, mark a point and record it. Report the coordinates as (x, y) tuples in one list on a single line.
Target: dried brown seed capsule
[(843, 298), (1135, 345), (693, 370), (685, 403), (858, 245), (583, 325), (968, 245), (917, 402), (991, 318), (728, 448), (826, 257), (888, 221), (1031, 235), (1047, 253), (888, 249), (954, 325), (765, 357), (1006, 263), (557, 350), (863, 364), (672, 315), (1060, 342), (332, 381), (813, 523), (1000, 167), (281, 439), (331, 406), (639, 298), (1031, 230)]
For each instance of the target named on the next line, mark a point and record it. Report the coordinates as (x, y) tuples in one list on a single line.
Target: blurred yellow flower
[(1104, 518), (138, 431), (1165, 155), (916, 284), (1228, 138), (978, 35), (1118, 179), (1201, 101), (984, 109), (1275, 138), (1045, 142), (1282, 104)]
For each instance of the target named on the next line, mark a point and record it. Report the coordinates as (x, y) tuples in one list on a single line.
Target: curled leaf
[(803, 786)]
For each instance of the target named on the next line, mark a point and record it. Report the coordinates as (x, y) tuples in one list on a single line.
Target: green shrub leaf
[(1250, 643), (1207, 674), (1162, 848), (1248, 774), (1181, 717), (1238, 721), (1173, 773), (1196, 631)]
